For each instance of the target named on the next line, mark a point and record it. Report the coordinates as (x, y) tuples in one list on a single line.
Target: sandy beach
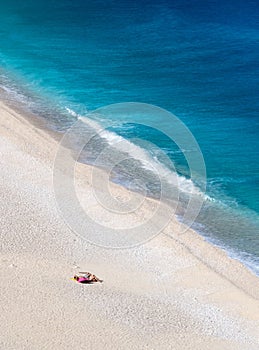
[(173, 292)]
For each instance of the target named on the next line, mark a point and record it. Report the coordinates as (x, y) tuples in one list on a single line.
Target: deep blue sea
[(199, 59)]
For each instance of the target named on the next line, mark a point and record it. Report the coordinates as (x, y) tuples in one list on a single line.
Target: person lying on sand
[(86, 277)]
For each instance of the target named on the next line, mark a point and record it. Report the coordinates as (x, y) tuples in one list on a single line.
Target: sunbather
[(86, 277)]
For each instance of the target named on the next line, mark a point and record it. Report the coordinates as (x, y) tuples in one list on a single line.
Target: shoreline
[(194, 274), (40, 122)]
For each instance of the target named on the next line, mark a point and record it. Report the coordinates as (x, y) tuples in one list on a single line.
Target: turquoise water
[(197, 59)]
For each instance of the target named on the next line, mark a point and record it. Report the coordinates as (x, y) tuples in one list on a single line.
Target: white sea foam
[(148, 162)]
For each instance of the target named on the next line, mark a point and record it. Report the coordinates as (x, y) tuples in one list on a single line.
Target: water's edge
[(56, 131)]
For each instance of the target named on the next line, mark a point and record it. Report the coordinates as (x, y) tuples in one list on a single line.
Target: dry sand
[(173, 292)]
